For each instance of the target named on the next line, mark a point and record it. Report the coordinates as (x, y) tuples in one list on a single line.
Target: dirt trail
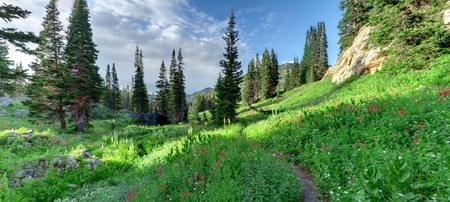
[(308, 184)]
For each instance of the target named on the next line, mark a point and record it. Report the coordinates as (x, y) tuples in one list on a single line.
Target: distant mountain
[(205, 92)]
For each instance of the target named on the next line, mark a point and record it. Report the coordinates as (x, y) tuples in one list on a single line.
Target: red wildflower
[(416, 140), (393, 133), (289, 154), (202, 150), (195, 175), (406, 130), (372, 109), (134, 191), (130, 195), (207, 185), (202, 176), (420, 124), (125, 201), (403, 112), (197, 184)]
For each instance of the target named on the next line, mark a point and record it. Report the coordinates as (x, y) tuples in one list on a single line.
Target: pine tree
[(80, 58), (115, 92), (322, 54), (274, 75), (9, 12), (265, 75), (257, 79), (125, 98), (19, 82), (305, 64), (7, 75), (287, 80), (356, 14), (139, 100), (227, 90), (182, 87), (173, 83), (107, 96), (162, 95), (295, 74), (48, 88), (249, 79)]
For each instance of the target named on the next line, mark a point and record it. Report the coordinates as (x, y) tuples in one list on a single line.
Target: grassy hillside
[(376, 137)]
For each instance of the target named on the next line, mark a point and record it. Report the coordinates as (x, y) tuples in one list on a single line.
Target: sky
[(195, 26)]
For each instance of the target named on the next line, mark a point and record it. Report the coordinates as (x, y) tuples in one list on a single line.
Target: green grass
[(372, 138)]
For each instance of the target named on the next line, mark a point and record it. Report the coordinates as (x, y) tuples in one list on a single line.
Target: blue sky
[(195, 26)]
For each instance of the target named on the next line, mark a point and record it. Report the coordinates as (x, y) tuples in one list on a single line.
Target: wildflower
[(345, 192), (207, 185), (403, 112), (195, 175), (130, 195), (289, 154), (399, 158), (416, 140), (202, 176), (197, 184), (393, 133), (406, 130), (190, 180), (420, 124)]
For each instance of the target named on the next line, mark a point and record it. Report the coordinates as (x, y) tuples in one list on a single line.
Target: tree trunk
[(61, 114)]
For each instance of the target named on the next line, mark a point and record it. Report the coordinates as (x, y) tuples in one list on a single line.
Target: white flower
[(384, 152), (331, 192), (339, 187), (432, 155), (400, 194), (434, 131), (345, 192), (399, 158)]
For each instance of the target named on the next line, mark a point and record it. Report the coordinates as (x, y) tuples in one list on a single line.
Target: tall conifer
[(265, 75), (80, 58), (48, 88), (139, 100), (227, 89), (115, 91), (162, 95)]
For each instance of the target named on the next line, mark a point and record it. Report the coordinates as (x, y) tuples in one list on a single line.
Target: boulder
[(86, 154), (93, 163), (29, 134), (358, 59), (71, 162), (147, 119), (4, 101)]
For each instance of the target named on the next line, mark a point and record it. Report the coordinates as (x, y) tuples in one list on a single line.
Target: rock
[(20, 99), (17, 114), (129, 113), (2, 113), (446, 17), (58, 162), (29, 134), (86, 154), (19, 174), (147, 119), (71, 162), (12, 134), (14, 183), (4, 101), (93, 163), (358, 59), (31, 173)]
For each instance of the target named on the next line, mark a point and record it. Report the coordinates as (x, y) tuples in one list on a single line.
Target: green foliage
[(7, 75), (248, 91), (177, 107), (315, 57), (411, 31), (162, 95)]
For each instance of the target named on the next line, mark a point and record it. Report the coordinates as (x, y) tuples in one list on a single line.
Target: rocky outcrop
[(4, 101), (358, 59)]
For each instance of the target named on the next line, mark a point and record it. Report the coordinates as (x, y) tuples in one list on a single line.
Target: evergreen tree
[(322, 54), (80, 57), (312, 65), (274, 75), (265, 75), (125, 98), (173, 83), (19, 82), (294, 78), (227, 90), (107, 96), (306, 59), (257, 79), (287, 80), (48, 88), (249, 79), (9, 12), (182, 87), (139, 100), (7, 75), (163, 94), (115, 92), (356, 14)]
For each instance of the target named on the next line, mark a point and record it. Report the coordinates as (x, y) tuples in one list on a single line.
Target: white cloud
[(156, 26)]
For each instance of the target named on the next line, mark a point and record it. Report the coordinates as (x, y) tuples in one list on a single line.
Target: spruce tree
[(108, 88), (7, 75), (248, 90), (139, 100), (257, 79), (294, 78), (115, 92), (48, 88), (80, 58), (162, 95), (173, 83), (228, 91), (125, 97), (265, 75), (305, 64), (8, 13), (287, 80), (274, 75), (182, 87)]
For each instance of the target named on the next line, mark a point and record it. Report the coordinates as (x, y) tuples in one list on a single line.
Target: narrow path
[(308, 184)]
